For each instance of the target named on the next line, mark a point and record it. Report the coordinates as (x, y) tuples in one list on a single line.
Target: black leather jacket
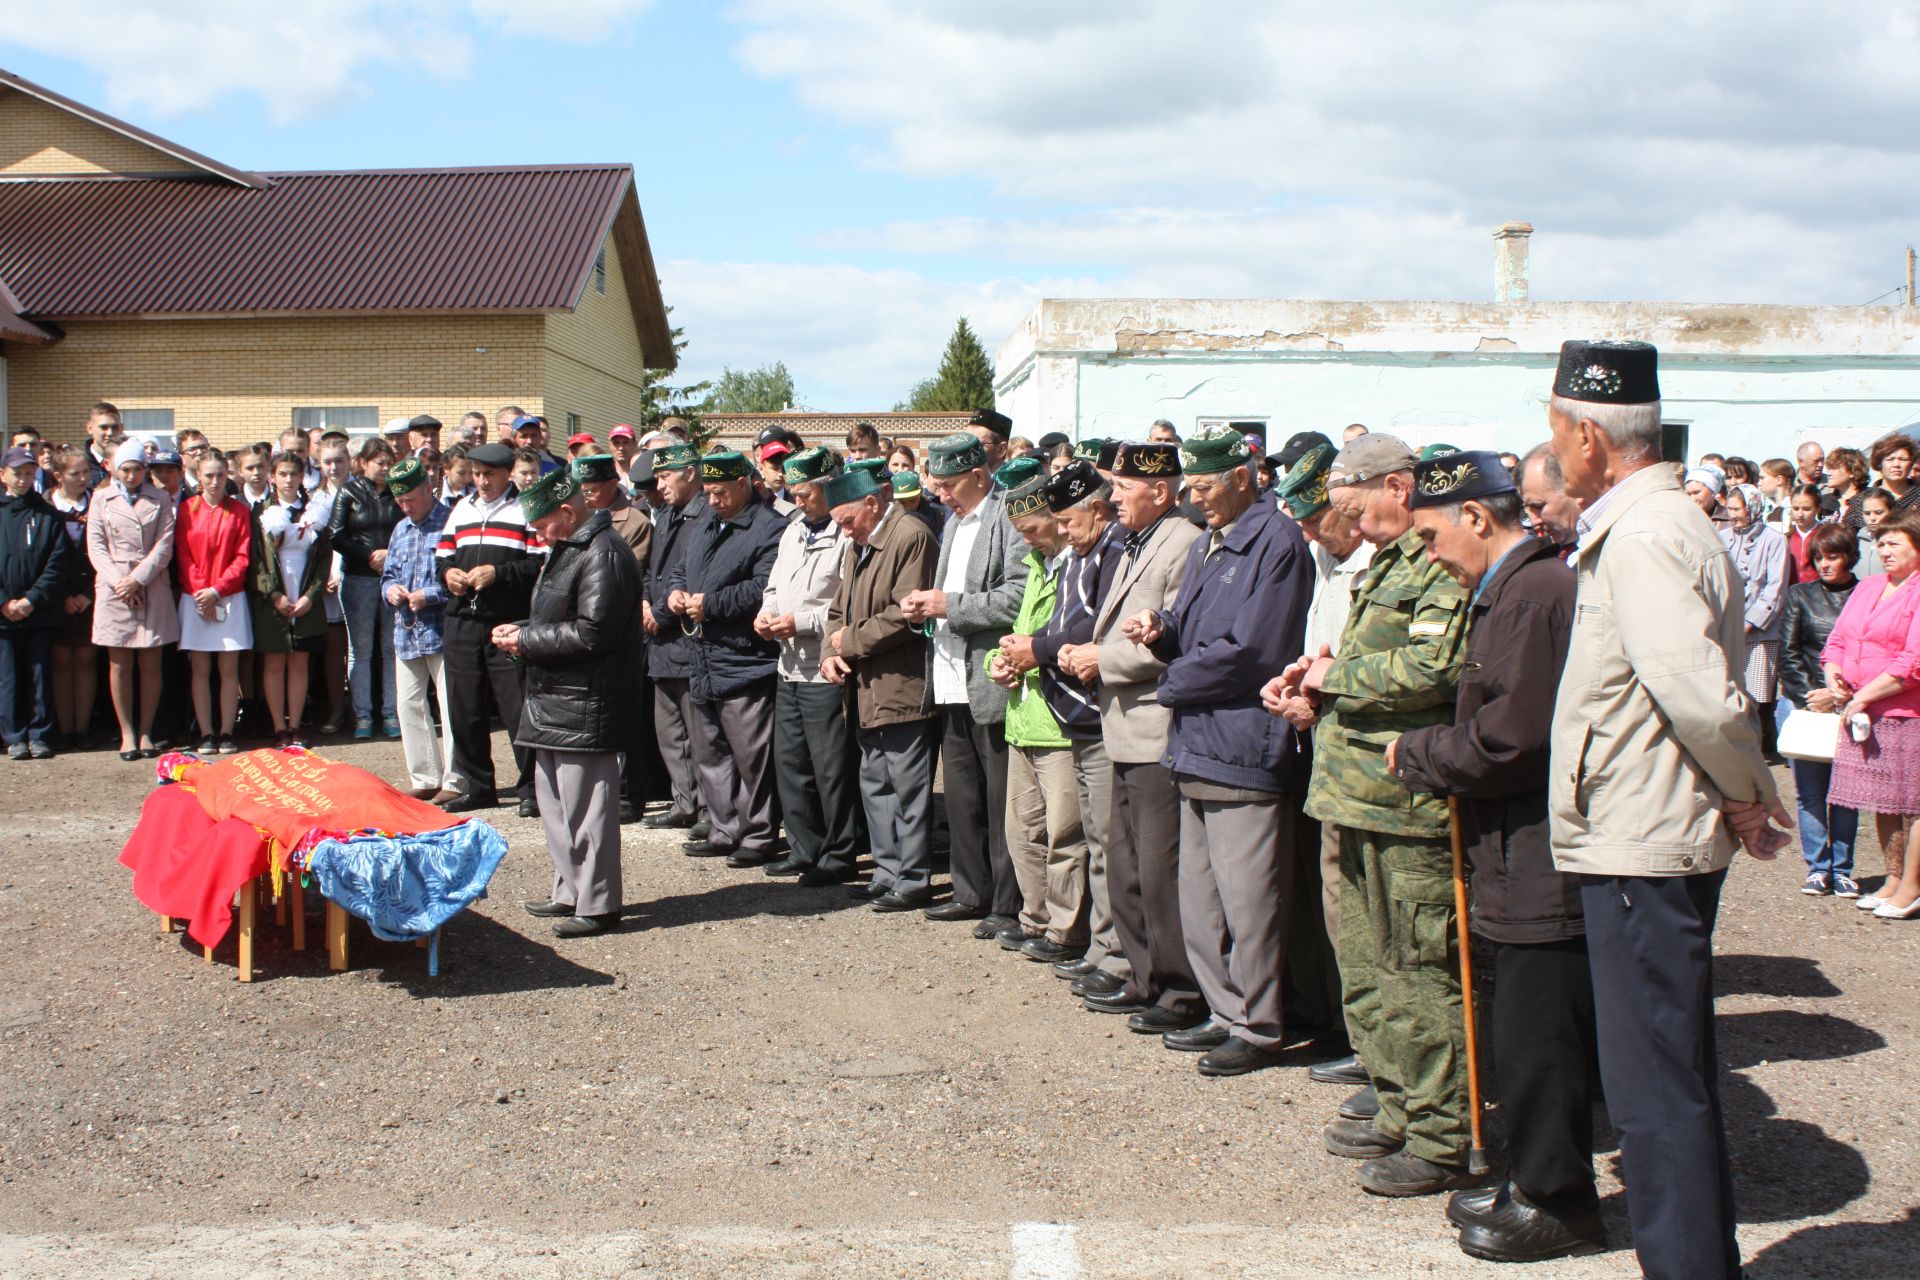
[(1812, 609), (362, 521), (581, 642)]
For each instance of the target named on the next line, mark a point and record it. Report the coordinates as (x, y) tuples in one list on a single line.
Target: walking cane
[(1477, 1157)]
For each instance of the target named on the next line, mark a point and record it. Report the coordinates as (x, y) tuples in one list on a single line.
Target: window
[(600, 270), (1245, 426), (147, 422), (366, 418), (573, 425)]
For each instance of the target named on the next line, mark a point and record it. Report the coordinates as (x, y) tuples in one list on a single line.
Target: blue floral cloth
[(408, 886)]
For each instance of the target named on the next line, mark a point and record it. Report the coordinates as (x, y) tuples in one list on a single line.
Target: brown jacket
[(1134, 722), (888, 654), (635, 529)]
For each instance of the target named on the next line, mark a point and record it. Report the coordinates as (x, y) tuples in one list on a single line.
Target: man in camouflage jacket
[(1400, 658)]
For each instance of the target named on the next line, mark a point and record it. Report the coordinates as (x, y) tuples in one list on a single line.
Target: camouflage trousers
[(1401, 987)]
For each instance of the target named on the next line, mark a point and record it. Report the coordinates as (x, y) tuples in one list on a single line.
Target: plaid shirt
[(410, 565)]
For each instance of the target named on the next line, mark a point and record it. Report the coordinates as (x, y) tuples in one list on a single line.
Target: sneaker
[(1843, 886), (391, 728), (40, 749), (363, 730), (1815, 885), (209, 746), (18, 751), (228, 746)]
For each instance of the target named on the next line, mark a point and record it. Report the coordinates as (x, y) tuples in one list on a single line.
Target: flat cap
[(423, 422), (490, 455)]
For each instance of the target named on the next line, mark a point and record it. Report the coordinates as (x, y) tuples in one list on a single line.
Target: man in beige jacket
[(1657, 774)]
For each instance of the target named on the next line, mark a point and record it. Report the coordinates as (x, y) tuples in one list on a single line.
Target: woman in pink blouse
[(1872, 661)]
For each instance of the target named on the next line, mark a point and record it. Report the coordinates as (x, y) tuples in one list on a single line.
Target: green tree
[(660, 400), (768, 389), (965, 379)]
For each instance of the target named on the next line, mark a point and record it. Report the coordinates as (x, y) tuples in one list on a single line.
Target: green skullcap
[(1089, 448), (1304, 490), (808, 465), (1027, 497), (1215, 450), (672, 457), (406, 477), (724, 465), (1016, 473), (547, 493), (1437, 451), (850, 485), (955, 455), (875, 467), (594, 468)]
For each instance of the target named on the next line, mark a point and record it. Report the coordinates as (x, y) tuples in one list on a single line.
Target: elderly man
[(423, 432), (716, 590), (504, 420), (1398, 663), (487, 560), (1494, 757), (599, 481), (1657, 776), (1045, 838), (472, 429), (1242, 609), (992, 430), (1543, 495), (1080, 500), (975, 595), (679, 506), (1163, 432), (411, 584), (813, 752), (884, 657), (576, 641), (1151, 971)]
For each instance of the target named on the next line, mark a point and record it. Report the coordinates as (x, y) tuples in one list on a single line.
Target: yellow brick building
[(192, 294)]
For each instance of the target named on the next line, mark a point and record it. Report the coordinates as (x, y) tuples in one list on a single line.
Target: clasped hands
[(1294, 694), (688, 604)]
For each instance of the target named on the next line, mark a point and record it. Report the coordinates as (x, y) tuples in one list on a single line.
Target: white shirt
[(1333, 594), (950, 650)]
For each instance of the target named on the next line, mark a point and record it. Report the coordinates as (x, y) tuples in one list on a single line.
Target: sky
[(832, 183)]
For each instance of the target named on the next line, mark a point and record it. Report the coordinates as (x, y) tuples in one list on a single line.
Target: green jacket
[(1400, 658), (1030, 721)]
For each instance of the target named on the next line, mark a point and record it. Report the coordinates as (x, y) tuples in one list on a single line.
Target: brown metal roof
[(416, 240), (12, 325)]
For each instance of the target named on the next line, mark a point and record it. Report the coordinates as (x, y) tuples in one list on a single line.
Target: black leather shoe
[(586, 926), (1358, 1140), (1236, 1058), (1405, 1174), (1115, 1002), (868, 891), (1157, 1021), (743, 858), (787, 867), (955, 911), (1070, 969), (1517, 1230), (815, 877), (1097, 983), (1347, 1070), (700, 830), (707, 849), (1464, 1208), (471, 804), (1044, 950), (529, 807), (660, 820), (992, 925), (1198, 1039), (1364, 1105), (628, 814), (892, 901), (547, 907), (1011, 938)]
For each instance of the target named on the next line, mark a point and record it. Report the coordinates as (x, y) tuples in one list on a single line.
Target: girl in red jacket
[(210, 548)]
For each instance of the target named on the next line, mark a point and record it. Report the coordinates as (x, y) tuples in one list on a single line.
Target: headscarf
[(129, 451), (1712, 477)]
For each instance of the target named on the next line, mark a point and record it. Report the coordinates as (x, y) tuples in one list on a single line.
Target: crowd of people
[(1214, 724)]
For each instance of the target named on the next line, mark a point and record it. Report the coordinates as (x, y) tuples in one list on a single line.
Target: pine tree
[(965, 380)]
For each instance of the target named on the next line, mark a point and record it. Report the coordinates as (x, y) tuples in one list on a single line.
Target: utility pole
[(1910, 299)]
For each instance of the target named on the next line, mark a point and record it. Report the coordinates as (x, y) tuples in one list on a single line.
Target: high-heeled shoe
[(1887, 911)]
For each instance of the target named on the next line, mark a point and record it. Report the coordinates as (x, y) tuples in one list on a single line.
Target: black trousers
[(1650, 942), (1312, 988), (817, 772), (643, 779), (974, 757), (481, 678), (1143, 881), (1543, 1048)]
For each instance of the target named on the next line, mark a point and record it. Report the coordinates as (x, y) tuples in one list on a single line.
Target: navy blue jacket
[(670, 652), (33, 560), (1240, 618), (729, 563), (1083, 585)]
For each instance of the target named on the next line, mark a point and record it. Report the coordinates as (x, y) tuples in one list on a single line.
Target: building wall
[(1757, 380), (593, 363), (38, 138), (240, 380)]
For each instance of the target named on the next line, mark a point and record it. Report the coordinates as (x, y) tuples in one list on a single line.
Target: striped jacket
[(493, 533)]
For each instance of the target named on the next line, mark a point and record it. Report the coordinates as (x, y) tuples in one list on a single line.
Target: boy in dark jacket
[(1494, 757), (33, 575)]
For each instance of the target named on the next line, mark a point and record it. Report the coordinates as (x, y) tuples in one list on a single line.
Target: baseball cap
[(621, 432), (584, 437), (16, 457), (1298, 445)]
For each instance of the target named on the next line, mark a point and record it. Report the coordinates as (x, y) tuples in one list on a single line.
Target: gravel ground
[(755, 1079)]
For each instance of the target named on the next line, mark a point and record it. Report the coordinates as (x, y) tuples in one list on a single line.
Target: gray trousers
[(579, 795), (733, 756), (1046, 842), (896, 786), (816, 773), (671, 705), (1093, 777), (1236, 885)]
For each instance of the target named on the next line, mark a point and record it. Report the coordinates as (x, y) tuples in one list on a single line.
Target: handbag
[(1809, 735)]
